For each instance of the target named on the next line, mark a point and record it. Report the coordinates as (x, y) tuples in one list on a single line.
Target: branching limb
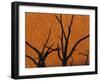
[(55, 49), (58, 19), (69, 32), (61, 25), (63, 35), (46, 53), (72, 50), (46, 41), (71, 21), (50, 49), (33, 60), (61, 18), (36, 50)]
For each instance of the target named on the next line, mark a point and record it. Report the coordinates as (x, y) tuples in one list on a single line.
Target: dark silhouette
[(42, 55), (64, 40)]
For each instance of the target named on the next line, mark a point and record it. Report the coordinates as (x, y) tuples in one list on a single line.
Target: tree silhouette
[(43, 54), (64, 41)]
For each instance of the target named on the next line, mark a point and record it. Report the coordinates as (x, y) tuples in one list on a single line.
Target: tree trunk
[(64, 62), (41, 65)]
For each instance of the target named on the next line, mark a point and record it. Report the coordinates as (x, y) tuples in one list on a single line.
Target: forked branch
[(72, 50), (46, 41), (32, 59)]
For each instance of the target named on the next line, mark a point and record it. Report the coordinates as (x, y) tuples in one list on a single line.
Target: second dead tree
[(63, 53)]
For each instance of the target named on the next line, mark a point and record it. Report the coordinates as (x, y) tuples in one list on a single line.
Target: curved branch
[(52, 49), (32, 59), (55, 49), (61, 24), (36, 50), (71, 52), (46, 41), (46, 53)]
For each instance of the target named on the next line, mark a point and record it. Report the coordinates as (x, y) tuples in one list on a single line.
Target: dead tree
[(64, 41), (86, 55), (43, 54)]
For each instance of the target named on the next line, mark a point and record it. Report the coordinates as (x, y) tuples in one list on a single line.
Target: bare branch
[(58, 19), (36, 50), (46, 41), (61, 18), (71, 52), (46, 53), (52, 50), (61, 24), (62, 33), (32, 59), (69, 32), (71, 21), (62, 43), (50, 47)]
